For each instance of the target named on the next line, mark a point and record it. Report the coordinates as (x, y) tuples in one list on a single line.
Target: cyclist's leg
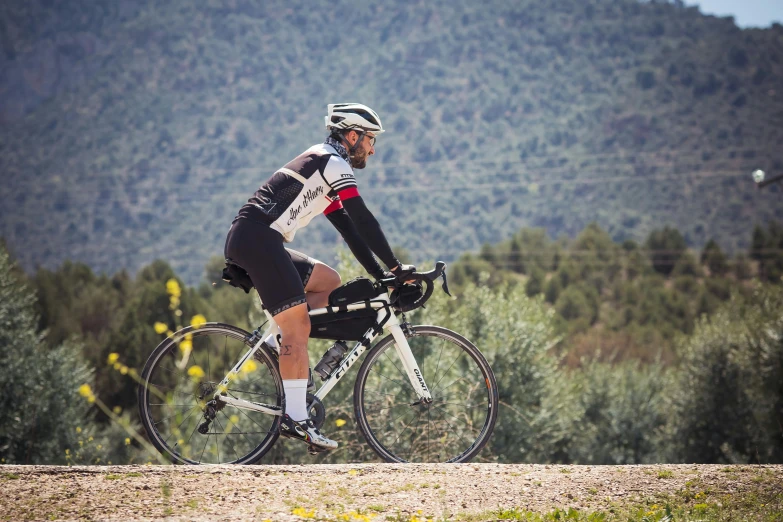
[(318, 279), (259, 250), (294, 326)]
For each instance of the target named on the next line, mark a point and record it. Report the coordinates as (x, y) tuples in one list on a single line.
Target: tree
[(40, 409), (665, 247), (727, 400), (714, 259), (535, 283)]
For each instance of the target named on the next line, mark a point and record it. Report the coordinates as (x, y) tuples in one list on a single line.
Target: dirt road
[(362, 491)]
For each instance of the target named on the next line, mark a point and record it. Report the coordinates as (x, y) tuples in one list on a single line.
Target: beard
[(359, 159)]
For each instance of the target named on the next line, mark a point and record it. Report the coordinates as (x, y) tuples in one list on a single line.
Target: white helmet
[(347, 116)]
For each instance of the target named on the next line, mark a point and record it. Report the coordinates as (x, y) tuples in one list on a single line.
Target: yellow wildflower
[(89, 439), (186, 345), (113, 357), (303, 513), (123, 369), (78, 429), (127, 441), (340, 423), (196, 372), (198, 321), (249, 367), (86, 392), (117, 410), (352, 472), (173, 288), (160, 327)]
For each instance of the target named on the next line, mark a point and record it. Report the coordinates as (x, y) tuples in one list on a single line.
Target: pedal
[(313, 450)]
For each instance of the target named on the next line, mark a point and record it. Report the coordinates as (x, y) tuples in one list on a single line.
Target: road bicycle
[(213, 394)]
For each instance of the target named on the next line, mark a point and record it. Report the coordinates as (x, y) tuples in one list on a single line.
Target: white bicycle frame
[(381, 304)]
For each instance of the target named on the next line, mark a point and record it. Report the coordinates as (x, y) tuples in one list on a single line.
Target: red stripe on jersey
[(348, 193), (335, 205)]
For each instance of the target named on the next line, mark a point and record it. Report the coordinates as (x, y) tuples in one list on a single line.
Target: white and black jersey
[(320, 180), (299, 191)]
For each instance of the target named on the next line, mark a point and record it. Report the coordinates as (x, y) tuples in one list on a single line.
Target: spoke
[(173, 372), (455, 431), (418, 414), (462, 352), (370, 410), (393, 420), (227, 440), (201, 457), (241, 432), (217, 445), (455, 381), (242, 411), (168, 388), (439, 356), (429, 420), (381, 393), (468, 406), (209, 367), (390, 379), (462, 434), (180, 425), (386, 353), (174, 415)]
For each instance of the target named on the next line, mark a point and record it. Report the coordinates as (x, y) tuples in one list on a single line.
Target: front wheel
[(458, 422)]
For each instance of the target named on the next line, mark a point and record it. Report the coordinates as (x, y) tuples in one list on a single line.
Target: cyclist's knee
[(323, 279)]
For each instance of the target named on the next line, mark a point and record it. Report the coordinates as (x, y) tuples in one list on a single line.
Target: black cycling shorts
[(278, 273)]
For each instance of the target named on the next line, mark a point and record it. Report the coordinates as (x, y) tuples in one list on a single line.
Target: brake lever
[(445, 284)]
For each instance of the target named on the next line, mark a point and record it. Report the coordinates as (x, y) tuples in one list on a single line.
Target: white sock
[(296, 398)]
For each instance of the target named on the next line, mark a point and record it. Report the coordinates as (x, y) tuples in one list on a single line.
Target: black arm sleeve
[(370, 230), (344, 225)]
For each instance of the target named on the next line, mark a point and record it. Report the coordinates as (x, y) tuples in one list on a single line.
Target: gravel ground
[(354, 491)]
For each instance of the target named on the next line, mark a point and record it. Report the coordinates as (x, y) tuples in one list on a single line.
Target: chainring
[(317, 410)]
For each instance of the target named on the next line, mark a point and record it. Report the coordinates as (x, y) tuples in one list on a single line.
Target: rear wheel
[(458, 422), (178, 383)]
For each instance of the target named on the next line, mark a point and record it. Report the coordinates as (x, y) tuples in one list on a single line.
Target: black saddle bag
[(342, 326), (236, 276), (355, 290)]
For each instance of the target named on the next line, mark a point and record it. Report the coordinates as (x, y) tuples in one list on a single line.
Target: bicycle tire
[(439, 429), (154, 383)]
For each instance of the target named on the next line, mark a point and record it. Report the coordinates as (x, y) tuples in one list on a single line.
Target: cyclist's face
[(366, 148)]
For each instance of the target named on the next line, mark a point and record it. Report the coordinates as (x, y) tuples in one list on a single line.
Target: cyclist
[(320, 180)]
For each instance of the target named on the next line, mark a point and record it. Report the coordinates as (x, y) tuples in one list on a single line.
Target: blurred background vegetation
[(605, 352)]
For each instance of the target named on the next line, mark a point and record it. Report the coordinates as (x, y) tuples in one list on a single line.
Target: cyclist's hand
[(401, 272)]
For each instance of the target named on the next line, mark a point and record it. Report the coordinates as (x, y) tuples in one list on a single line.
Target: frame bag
[(342, 326), (355, 290)]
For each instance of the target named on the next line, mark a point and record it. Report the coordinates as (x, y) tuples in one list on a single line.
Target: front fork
[(398, 331)]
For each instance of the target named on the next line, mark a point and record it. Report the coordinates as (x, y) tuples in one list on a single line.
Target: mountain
[(134, 129)]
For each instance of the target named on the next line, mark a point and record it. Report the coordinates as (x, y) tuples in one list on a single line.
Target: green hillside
[(134, 130)]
